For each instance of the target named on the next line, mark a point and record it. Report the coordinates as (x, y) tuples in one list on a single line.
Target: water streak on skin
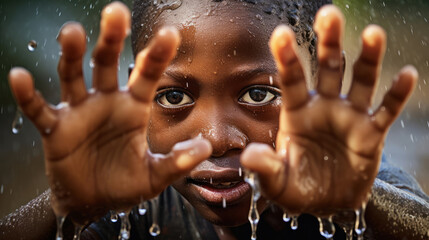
[(349, 232)]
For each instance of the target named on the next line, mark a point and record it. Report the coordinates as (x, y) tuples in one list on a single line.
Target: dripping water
[(142, 208), (124, 233), (286, 217), (154, 230), (77, 231), (60, 222), (348, 230), (113, 216), (223, 202), (294, 223), (252, 179), (32, 45), (326, 227), (18, 122), (360, 224)]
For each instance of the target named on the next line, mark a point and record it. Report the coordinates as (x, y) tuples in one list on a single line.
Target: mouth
[(221, 187)]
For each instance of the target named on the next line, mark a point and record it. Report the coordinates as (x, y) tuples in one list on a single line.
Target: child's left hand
[(328, 147)]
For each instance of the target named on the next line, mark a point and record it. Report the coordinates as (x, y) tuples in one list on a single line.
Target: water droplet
[(124, 233), (142, 208), (360, 224), (91, 63), (271, 80), (286, 217), (154, 230), (32, 45), (77, 231), (113, 216), (252, 179), (259, 17), (234, 52), (223, 202), (294, 223), (402, 124), (326, 158), (326, 227), (18, 122), (349, 232), (240, 172), (60, 222)]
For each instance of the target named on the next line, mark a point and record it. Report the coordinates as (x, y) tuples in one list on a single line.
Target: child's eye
[(173, 99), (259, 95)]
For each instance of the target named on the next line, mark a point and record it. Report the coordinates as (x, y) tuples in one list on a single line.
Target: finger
[(270, 167), (114, 27), (329, 26), (394, 100), (367, 67), (182, 159), (72, 38), (31, 102), (151, 63), (283, 47)]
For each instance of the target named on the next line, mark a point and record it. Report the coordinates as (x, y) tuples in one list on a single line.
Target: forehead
[(225, 22)]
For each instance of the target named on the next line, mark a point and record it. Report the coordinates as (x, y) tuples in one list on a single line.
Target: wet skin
[(106, 128), (219, 74)]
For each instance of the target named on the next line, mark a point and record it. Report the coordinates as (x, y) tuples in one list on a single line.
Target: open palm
[(328, 146), (95, 145)]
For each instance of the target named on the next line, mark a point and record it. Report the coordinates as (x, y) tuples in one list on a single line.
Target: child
[(191, 119)]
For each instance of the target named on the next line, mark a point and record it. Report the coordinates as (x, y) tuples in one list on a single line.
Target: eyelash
[(275, 92), (161, 98), (271, 92)]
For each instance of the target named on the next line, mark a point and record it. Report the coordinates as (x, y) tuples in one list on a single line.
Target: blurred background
[(28, 31)]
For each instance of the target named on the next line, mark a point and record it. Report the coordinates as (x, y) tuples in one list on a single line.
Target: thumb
[(270, 167), (183, 158)]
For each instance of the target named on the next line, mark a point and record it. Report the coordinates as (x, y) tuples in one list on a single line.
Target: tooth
[(226, 183)]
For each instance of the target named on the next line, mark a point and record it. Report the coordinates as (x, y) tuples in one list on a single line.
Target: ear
[(130, 69)]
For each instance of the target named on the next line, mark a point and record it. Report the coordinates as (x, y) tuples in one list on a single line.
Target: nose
[(220, 129)]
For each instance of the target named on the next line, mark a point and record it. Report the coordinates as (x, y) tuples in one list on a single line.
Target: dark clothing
[(179, 220)]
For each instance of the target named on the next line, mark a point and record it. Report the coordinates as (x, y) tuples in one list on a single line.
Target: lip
[(207, 183)]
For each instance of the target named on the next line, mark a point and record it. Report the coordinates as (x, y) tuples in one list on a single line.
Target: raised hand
[(95, 146), (328, 146)]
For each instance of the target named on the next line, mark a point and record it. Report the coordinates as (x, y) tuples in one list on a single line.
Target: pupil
[(257, 95), (174, 97)]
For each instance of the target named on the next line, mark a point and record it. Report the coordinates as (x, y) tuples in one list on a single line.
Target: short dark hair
[(299, 14)]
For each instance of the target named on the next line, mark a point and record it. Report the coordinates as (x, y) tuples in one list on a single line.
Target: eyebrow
[(241, 73)]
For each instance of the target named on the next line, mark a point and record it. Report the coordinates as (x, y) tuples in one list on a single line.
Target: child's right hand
[(95, 145)]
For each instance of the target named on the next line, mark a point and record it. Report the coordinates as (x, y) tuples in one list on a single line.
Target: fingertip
[(254, 156), (329, 24), (374, 35), (282, 44), (115, 21), (72, 38), (405, 82), (21, 83), (167, 40)]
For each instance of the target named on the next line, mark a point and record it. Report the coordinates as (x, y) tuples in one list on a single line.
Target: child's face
[(222, 85)]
